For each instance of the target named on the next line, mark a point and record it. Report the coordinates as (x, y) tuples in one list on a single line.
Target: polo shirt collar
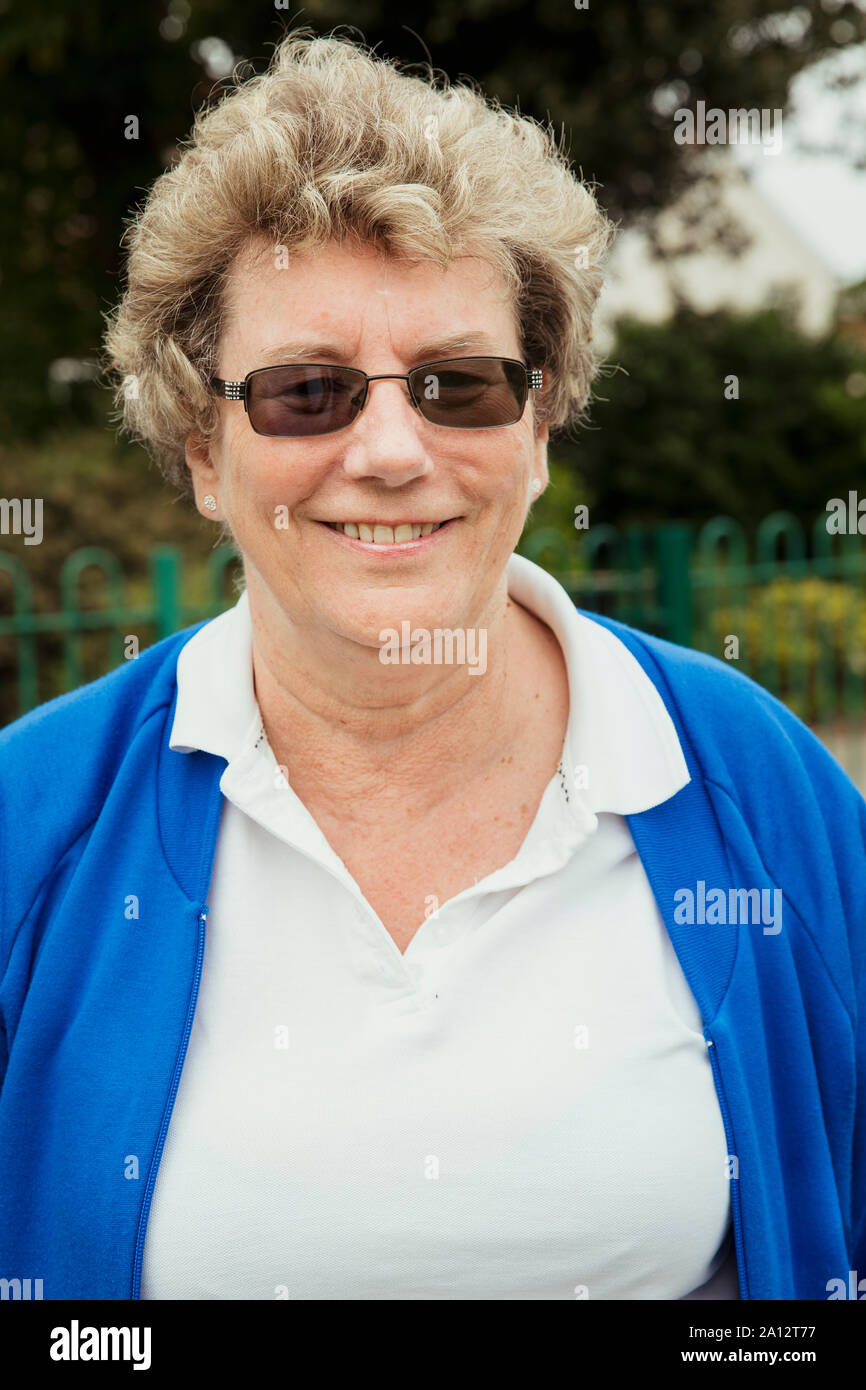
[(621, 752), (216, 710)]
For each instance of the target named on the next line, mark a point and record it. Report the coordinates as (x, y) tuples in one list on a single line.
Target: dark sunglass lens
[(471, 392), (302, 400)]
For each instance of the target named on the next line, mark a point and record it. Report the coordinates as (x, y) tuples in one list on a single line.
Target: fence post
[(165, 570), (22, 614), (673, 554)]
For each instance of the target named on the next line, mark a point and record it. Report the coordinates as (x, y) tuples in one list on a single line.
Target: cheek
[(499, 470), (267, 478)]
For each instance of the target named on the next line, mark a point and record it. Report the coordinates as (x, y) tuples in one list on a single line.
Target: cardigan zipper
[(175, 1082), (735, 1182)]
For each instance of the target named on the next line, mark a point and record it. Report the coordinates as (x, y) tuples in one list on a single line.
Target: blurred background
[(714, 495)]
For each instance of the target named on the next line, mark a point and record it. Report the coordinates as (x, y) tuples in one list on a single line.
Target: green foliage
[(665, 444), (96, 491), (804, 639), (72, 74)]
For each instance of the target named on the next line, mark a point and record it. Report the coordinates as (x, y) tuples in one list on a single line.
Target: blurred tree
[(670, 441), (97, 491), (610, 74)]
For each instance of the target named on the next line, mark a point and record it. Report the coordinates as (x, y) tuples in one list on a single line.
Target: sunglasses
[(463, 393)]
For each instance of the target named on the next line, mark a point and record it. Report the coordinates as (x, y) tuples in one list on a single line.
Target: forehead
[(349, 296)]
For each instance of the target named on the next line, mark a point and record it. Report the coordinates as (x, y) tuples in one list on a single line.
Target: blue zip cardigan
[(108, 838)]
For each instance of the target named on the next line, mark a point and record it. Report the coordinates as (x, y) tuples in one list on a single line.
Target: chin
[(403, 625)]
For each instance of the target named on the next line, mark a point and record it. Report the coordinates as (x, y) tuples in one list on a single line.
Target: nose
[(385, 441)]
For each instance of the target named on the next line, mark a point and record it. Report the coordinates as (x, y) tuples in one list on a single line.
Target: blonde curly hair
[(335, 142)]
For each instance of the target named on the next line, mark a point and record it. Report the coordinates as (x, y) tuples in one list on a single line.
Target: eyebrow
[(331, 352)]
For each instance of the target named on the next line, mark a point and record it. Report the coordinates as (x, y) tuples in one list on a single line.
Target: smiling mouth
[(374, 533)]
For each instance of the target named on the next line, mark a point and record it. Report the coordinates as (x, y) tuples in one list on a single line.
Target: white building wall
[(641, 286)]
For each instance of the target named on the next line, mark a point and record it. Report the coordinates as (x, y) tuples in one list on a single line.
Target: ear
[(205, 478)]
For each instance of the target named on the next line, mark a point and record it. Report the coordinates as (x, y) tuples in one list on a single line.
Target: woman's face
[(351, 305)]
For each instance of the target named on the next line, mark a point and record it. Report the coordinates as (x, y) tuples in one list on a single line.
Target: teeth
[(387, 535)]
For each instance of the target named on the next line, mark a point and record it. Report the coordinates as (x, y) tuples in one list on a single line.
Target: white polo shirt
[(520, 1106)]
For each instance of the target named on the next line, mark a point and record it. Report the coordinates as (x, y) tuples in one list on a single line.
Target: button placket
[(411, 973), (375, 948)]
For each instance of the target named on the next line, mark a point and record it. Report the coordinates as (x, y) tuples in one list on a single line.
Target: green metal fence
[(787, 606), (163, 612)]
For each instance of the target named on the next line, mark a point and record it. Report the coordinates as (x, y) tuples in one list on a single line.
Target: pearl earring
[(536, 485), (210, 503)]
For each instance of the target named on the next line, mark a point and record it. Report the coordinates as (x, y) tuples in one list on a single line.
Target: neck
[(351, 730)]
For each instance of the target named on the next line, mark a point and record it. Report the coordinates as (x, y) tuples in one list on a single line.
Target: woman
[(534, 944)]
